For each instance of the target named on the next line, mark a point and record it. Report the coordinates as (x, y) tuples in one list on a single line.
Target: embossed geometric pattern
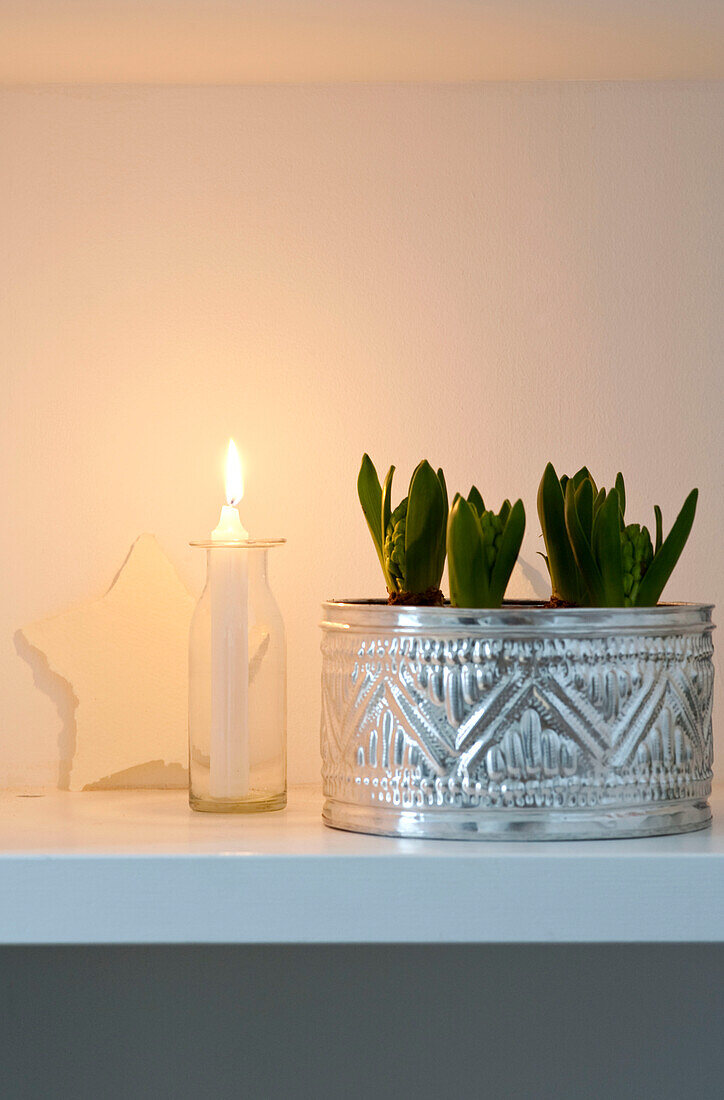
[(410, 721)]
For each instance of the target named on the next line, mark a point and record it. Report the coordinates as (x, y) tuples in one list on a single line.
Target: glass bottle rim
[(237, 544)]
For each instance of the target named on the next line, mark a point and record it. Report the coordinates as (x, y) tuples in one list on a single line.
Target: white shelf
[(140, 867)]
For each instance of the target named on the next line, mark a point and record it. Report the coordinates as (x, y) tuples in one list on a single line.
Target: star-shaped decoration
[(125, 657)]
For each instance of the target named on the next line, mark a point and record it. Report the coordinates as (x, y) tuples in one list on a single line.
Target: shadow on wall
[(152, 775), (61, 693), (115, 668), (539, 584)]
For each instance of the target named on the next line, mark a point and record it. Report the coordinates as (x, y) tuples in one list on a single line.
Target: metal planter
[(523, 723)]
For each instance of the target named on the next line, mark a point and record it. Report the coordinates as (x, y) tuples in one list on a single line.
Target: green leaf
[(621, 490), (600, 497), (561, 561), (426, 517), (584, 506), (466, 563), (442, 548), (475, 498), (369, 492), (582, 549), (583, 475), (659, 528), (508, 551), (504, 512), (607, 550), (386, 500), (386, 513), (654, 579), (443, 486)]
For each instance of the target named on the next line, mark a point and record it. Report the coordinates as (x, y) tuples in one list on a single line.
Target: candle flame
[(234, 478)]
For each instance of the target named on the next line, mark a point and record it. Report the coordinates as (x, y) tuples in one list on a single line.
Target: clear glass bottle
[(237, 685)]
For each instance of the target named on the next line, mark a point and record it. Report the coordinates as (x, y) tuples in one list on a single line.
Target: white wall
[(487, 275), (289, 41)]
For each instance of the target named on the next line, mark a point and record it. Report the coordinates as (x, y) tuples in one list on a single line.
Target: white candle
[(229, 580)]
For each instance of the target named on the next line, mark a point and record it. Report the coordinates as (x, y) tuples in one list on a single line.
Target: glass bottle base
[(258, 803)]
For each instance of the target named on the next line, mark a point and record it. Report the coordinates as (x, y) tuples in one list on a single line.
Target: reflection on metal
[(520, 723)]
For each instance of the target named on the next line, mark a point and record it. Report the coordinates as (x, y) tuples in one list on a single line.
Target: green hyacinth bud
[(492, 528), (637, 553), (394, 549)]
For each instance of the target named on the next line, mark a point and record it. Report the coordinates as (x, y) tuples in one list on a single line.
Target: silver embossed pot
[(523, 723)]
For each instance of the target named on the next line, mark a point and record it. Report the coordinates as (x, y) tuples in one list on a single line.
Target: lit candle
[(229, 580)]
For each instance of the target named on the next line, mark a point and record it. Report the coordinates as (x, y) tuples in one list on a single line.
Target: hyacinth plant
[(482, 549), (410, 541), (596, 559)]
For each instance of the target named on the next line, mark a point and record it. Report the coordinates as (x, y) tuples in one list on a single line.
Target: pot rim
[(516, 617)]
